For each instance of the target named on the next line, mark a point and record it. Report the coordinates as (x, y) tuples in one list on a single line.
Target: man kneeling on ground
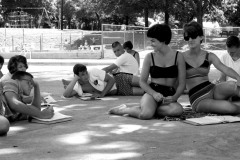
[(13, 90)]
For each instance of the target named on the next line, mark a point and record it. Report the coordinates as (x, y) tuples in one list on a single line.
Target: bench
[(232, 33), (229, 33), (224, 33)]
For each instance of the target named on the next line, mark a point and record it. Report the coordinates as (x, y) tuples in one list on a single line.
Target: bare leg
[(218, 107), (225, 90), (145, 111), (137, 91), (172, 109)]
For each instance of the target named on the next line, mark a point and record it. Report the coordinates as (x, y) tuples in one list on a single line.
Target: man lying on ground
[(98, 82)]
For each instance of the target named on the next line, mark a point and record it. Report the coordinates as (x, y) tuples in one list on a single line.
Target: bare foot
[(119, 110), (65, 83)]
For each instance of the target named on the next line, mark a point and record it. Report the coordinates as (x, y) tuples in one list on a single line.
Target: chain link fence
[(24, 41)]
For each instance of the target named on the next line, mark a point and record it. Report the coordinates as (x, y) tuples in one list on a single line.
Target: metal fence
[(53, 40)]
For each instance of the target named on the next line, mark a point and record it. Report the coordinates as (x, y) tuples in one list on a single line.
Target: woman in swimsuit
[(205, 96), (167, 70)]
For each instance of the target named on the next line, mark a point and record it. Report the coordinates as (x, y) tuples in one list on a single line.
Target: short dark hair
[(79, 68), (20, 74), (162, 32), (128, 44), (233, 41), (193, 27), (13, 62), (1, 60), (115, 44)]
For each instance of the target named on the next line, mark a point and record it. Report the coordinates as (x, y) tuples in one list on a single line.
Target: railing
[(24, 41)]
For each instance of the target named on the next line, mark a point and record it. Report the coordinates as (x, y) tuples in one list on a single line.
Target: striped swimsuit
[(203, 90)]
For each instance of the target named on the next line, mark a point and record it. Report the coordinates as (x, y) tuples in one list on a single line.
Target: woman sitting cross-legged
[(167, 70)]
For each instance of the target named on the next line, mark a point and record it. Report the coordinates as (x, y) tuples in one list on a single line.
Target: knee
[(144, 116), (232, 85), (178, 111), (4, 126), (172, 110)]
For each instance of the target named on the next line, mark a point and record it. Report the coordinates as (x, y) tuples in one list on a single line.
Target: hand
[(47, 113), (168, 100), (97, 95), (35, 83), (158, 97), (76, 77), (216, 81)]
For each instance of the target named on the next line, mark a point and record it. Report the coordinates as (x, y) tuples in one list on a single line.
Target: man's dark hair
[(233, 41), (79, 68), (161, 32), (128, 44), (20, 74), (115, 44), (13, 63), (1, 60)]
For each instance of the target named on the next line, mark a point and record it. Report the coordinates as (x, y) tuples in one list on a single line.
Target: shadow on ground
[(95, 135)]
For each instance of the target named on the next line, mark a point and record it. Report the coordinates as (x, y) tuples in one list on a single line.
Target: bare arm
[(181, 77), (223, 77), (36, 101), (145, 74), (69, 92), (110, 82), (221, 67), (144, 79), (31, 110), (27, 99), (110, 68), (137, 57)]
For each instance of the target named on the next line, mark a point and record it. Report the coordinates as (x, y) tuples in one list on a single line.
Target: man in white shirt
[(232, 58), (127, 70), (125, 62)]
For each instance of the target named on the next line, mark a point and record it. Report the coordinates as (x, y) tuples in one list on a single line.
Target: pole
[(62, 15)]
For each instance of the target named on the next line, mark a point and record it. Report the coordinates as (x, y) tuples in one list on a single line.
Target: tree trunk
[(98, 21), (127, 20), (146, 16), (166, 18), (199, 12)]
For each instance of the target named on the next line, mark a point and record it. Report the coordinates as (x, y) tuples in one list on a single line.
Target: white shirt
[(94, 75), (227, 60), (127, 63), (6, 77)]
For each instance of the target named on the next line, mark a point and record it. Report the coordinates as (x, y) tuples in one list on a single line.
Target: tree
[(231, 10), (32, 7), (69, 11), (186, 10)]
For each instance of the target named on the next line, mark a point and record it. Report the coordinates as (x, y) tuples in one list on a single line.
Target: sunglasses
[(192, 36)]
